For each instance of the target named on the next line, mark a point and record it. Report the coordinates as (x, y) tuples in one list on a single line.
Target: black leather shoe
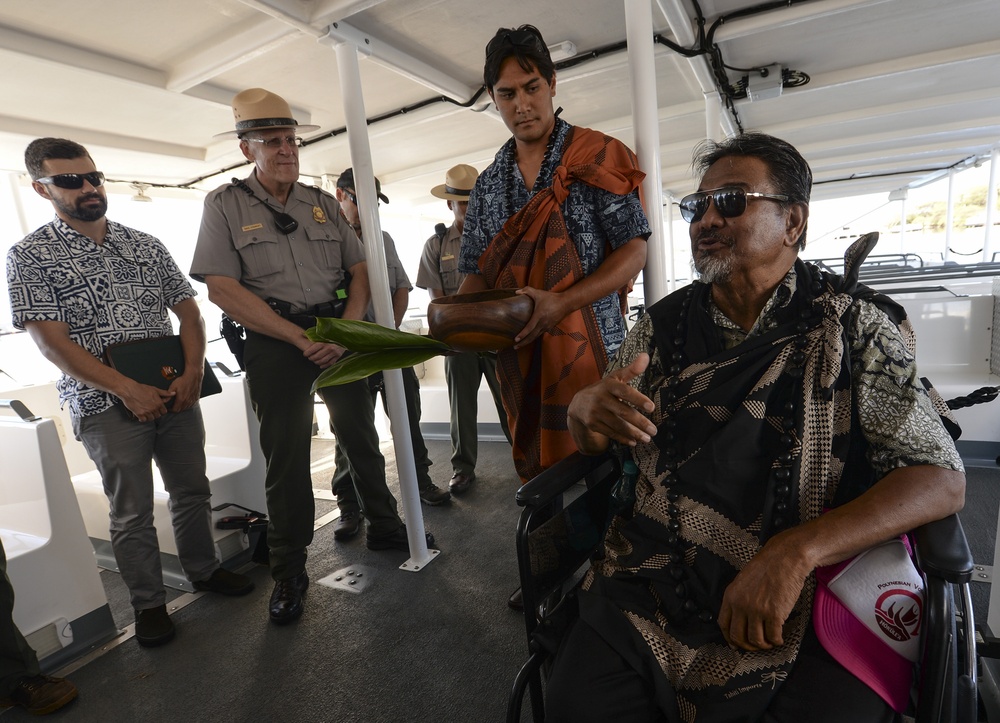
[(395, 541), (153, 626), (347, 525), (225, 582), (286, 600), (460, 482), (516, 601)]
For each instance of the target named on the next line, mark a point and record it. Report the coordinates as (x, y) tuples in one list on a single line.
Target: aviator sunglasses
[(730, 202), (73, 181)]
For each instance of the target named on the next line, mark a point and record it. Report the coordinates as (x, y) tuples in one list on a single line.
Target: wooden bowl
[(482, 321)]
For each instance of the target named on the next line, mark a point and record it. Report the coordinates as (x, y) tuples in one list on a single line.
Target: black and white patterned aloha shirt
[(107, 294)]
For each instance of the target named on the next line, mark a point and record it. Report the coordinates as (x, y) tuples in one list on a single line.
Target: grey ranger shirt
[(239, 239)]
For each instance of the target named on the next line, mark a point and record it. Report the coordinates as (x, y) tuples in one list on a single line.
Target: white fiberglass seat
[(60, 604)]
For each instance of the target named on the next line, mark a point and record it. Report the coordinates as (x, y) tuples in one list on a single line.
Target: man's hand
[(611, 409), (322, 354), (549, 310), (757, 603), (187, 389), (145, 402)]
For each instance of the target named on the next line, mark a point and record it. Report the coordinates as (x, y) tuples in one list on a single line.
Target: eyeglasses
[(730, 202), (73, 181), (274, 144), (352, 197), (516, 39)]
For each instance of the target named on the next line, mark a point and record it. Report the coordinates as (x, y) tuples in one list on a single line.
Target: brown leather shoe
[(41, 694), (347, 525), (433, 495), (460, 482)]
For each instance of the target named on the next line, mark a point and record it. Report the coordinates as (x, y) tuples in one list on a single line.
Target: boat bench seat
[(234, 466), (956, 338), (59, 601)]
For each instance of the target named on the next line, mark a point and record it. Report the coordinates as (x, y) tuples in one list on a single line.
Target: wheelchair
[(566, 510)]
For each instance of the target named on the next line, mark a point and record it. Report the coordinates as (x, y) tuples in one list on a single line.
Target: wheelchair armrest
[(558, 478), (943, 551)]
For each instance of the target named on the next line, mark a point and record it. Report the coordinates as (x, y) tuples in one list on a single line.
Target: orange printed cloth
[(534, 249)]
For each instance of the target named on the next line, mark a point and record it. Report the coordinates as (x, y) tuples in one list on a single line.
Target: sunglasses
[(730, 202), (73, 181), (352, 197), (515, 39)]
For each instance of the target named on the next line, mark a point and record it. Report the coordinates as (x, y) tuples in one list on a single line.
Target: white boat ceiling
[(899, 91)]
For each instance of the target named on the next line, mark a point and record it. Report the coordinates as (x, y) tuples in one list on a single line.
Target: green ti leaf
[(363, 336), (374, 348), (359, 365)]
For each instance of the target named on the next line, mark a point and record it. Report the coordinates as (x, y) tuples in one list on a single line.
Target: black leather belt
[(307, 317)]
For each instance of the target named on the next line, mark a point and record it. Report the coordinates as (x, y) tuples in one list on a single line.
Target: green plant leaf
[(363, 336), (359, 365)]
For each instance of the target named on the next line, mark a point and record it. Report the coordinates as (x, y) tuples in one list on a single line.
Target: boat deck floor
[(435, 645)]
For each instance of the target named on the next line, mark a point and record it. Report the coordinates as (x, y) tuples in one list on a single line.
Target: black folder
[(156, 362)]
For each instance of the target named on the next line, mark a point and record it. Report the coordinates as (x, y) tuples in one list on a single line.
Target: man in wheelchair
[(779, 428)]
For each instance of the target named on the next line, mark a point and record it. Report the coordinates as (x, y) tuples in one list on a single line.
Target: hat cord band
[(458, 191), (246, 125)]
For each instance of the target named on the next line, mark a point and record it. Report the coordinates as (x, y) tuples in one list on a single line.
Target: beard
[(82, 213), (713, 270), (714, 267)]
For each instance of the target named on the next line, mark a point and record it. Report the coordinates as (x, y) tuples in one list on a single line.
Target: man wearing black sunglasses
[(573, 245), (275, 277), (751, 401), (78, 285)]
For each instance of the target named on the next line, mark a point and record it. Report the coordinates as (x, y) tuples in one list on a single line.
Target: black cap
[(346, 181)]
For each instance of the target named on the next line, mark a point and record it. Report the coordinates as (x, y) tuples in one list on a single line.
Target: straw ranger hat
[(458, 183), (258, 109)]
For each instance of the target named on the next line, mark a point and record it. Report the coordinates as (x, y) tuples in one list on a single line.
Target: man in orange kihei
[(557, 215)]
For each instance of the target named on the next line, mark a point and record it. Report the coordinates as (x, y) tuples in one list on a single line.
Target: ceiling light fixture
[(562, 51)]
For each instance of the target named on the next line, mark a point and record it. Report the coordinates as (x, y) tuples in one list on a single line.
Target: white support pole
[(713, 116), (642, 73), (15, 193), (669, 203), (349, 70), (949, 215), (902, 225), (991, 206)]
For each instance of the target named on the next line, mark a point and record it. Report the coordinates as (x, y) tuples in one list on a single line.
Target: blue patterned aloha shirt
[(119, 291), (594, 219)]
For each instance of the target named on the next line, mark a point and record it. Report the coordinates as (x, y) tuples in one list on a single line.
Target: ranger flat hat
[(458, 183), (257, 109)]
